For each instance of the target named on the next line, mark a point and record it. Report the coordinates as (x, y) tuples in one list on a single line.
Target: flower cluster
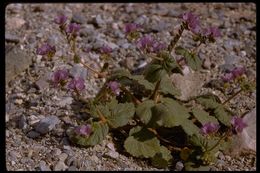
[(238, 124), (193, 24), (131, 27), (46, 49), (149, 45), (106, 49), (84, 130), (61, 20), (76, 84), (233, 74), (60, 77), (115, 87), (73, 29), (209, 128)]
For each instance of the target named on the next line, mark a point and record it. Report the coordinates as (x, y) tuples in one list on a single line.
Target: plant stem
[(232, 97), (155, 92), (135, 100), (176, 38), (196, 48), (101, 116), (223, 137)]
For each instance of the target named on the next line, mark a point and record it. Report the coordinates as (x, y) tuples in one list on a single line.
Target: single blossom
[(211, 31), (46, 49), (84, 130), (209, 128), (158, 46), (60, 76), (76, 84), (238, 71), (60, 20), (106, 49), (73, 29), (238, 124), (146, 43), (115, 87), (131, 27), (192, 21), (227, 77)]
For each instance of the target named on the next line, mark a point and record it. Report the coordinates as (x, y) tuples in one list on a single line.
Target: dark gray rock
[(47, 124), (16, 61), (78, 18), (22, 124), (12, 38), (33, 134)]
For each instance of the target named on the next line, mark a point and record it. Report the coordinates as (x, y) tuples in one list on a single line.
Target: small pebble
[(179, 166)]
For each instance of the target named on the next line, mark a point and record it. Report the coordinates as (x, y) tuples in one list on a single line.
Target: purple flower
[(46, 49), (238, 124), (158, 46), (60, 20), (73, 29), (131, 27), (145, 43), (76, 84), (209, 128), (211, 31), (106, 49), (59, 76), (84, 130), (228, 77), (115, 87), (192, 22), (238, 71)]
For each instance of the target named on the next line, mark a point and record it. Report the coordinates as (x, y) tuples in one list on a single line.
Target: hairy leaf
[(170, 113), (209, 101), (120, 73), (203, 117), (120, 114), (154, 72), (167, 87), (223, 115), (193, 60), (140, 79), (144, 112), (162, 159), (98, 135), (142, 143)]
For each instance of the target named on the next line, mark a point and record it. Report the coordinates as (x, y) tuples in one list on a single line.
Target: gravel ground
[(30, 101)]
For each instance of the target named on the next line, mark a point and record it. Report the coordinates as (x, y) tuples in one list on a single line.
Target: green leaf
[(140, 79), (203, 117), (142, 143), (98, 135), (209, 101), (154, 72), (198, 140), (120, 114), (162, 159), (120, 73), (167, 87), (189, 127), (144, 112), (169, 63), (193, 60), (223, 115), (169, 113)]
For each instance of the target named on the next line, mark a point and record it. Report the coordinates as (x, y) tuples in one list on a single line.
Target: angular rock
[(179, 166), (22, 124), (47, 124), (65, 101), (79, 71), (42, 83), (78, 18), (189, 84), (12, 38), (33, 134), (13, 23), (60, 166), (16, 61), (43, 166)]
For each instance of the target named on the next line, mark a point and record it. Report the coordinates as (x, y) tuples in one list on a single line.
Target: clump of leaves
[(145, 106)]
